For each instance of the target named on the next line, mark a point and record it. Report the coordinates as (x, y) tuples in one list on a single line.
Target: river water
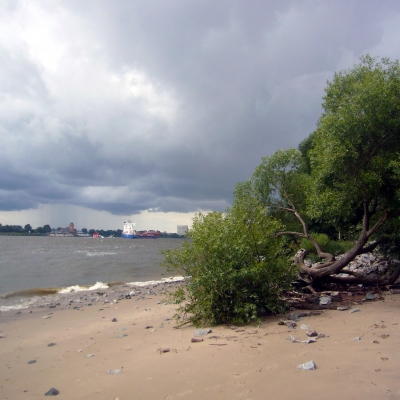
[(30, 266)]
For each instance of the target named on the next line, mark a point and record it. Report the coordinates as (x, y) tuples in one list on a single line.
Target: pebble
[(202, 332), (52, 392), (114, 371), (370, 296), (148, 327), (51, 344), (114, 320), (308, 366), (31, 362)]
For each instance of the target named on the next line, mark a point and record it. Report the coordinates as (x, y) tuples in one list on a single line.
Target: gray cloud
[(163, 106)]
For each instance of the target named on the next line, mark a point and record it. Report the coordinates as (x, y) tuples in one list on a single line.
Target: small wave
[(100, 254), (172, 279), (78, 288)]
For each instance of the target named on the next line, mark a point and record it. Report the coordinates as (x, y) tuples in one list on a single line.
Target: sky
[(153, 110)]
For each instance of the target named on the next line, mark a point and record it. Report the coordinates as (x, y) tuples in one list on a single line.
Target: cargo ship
[(129, 232)]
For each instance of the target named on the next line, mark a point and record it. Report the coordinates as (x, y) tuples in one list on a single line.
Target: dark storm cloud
[(163, 106)]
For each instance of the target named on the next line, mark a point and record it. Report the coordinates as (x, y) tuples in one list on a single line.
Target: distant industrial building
[(181, 230), (70, 231)]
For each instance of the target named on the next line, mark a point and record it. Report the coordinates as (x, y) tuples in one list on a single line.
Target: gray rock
[(114, 372), (31, 362), (52, 392), (114, 320), (308, 366), (290, 324), (202, 332), (311, 333), (51, 344), (370, 296), (325, 300)]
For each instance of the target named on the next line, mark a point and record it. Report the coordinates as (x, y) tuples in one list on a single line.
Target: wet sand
[(155, 361)]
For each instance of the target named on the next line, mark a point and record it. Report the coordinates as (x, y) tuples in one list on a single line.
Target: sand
[(230, 363)]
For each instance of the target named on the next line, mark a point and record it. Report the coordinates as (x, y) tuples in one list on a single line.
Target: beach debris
[(122, 335), (354, 310), (46, 317), (148, 327), (357, 338), (80, 351), (202, 332), (90, 355), (375, 342), (31, 362), (320, 335), (395, 291), (370, 296), (51, 344), (308, 366), (292, 339), (196, 340), (114, 372), (114, 320), (52, 392), (2, 336), (325, 300), (307, 341), (305, 327), (343, 308), (311, 333)]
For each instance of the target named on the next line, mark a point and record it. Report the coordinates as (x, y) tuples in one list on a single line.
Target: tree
[(348, 174), (27, 228), (47, 228), (238, 268)]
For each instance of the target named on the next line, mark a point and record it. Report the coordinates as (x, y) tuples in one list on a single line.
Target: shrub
[(235, 266)]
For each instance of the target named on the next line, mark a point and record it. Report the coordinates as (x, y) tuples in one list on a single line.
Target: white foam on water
[(163, 280), (77, 288), (100, 254)]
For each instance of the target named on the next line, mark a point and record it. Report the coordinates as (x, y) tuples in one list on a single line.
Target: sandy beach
[(129, 349)]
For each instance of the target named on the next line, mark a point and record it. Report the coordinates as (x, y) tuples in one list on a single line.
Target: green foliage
[(327, 245), (236, 265), (357, 140)]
